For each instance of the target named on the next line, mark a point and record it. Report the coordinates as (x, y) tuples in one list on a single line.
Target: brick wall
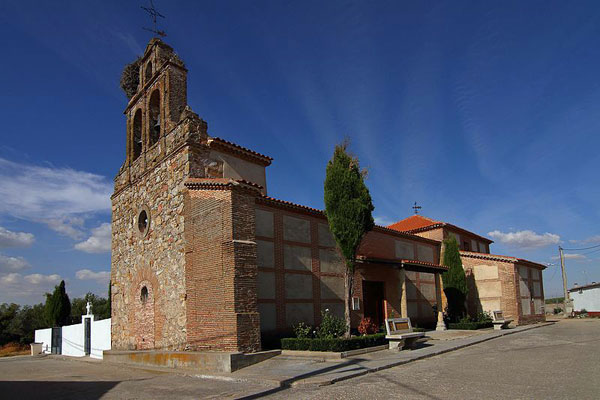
[(300, 274), (495, 284)]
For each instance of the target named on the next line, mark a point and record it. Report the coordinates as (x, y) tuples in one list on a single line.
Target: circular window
[(144, 294), (143, 221)]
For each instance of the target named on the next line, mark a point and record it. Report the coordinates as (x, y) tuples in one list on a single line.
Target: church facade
[(204, 259)]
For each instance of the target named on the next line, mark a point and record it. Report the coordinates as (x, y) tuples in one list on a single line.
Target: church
[(204, 259)]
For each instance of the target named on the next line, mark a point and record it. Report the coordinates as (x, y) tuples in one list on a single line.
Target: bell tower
[(183, 265), (157, 101)]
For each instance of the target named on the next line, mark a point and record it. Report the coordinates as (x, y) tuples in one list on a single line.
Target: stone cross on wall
[(88, 307)]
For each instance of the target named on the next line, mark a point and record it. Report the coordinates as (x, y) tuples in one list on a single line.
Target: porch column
[(441, 326), (403, 300)]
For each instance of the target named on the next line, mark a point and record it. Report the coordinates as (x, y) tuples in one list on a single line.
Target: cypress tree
[(58, 306), (348, 208), (455, 281)]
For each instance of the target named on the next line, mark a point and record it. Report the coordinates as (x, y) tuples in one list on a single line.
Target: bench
[(400, 333), (499, 321)]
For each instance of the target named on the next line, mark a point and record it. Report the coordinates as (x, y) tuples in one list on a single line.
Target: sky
[(485, 113)]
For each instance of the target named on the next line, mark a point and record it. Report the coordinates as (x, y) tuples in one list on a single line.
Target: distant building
[(586, 297), (510, 284)]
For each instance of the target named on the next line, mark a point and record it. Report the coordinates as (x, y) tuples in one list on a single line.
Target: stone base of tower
[(199, 361)]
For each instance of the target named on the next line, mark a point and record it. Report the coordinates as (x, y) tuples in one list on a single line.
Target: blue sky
[(485, 113)]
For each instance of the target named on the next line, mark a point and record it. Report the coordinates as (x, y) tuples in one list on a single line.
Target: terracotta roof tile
[(236, 147), (221, 182), (485, 256), (413, 222), (419, 223), (288, 204), (425, 263)]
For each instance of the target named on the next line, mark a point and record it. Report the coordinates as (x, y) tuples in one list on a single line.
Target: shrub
[(333, 344), (558, 310), (331, 326), (302, 330), (470, 325), (367, 326), (484, 316)]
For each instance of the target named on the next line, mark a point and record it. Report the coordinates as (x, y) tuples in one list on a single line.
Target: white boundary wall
[(100, 337), (44, 336), (588, 299), (73, 338)]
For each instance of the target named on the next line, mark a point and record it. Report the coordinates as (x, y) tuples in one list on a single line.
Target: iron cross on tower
[(416, 208), (153, 14)]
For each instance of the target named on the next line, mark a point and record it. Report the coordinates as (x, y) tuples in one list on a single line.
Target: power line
[(583, 248), (590, 252)]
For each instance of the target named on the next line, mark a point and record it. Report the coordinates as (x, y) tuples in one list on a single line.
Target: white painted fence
[(44, 336), (73, 338)]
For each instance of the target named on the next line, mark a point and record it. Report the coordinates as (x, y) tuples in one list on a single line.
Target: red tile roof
[(413, 222), (485, 256), (419, 223), (195, 183), (425, 263), (287, 204), (236, 148), (364, 259)]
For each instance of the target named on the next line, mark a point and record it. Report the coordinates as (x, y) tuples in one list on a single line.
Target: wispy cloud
[(571, 256), (98, 242), (101, 277), (12, 264), (15, 239), (67, 226), (592, 240), (26, 289), (525, 239), (52, 195)]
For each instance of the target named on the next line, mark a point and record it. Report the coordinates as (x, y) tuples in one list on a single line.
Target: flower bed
[(333, 344), (470, 325)]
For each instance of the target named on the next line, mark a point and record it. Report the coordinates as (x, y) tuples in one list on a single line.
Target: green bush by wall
[(333, 344)]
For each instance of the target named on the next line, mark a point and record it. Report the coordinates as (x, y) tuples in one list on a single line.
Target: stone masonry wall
[(157, 257)]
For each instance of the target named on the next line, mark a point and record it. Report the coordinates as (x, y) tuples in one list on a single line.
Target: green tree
[(348, 208), (58, 306), (8, 313), (26, 321), (455, 281)]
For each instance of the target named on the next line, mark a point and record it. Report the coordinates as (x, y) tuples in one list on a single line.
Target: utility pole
[(568, 305)]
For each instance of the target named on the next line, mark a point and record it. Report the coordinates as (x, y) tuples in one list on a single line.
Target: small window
[(143, 221), (466, 246), (144, 295), (148, 72), (137, 134), (154, 114)]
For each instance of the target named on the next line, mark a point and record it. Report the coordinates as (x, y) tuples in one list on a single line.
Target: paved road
[(526, 365), (24, 378)]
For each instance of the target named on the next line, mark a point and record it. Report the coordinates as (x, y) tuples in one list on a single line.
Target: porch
[(398, 288)]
